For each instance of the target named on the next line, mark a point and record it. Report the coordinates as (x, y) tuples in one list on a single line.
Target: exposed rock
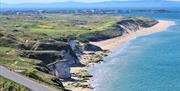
[(71, 60), (146, 22), (60, 69), (126, 26), (76, 46)]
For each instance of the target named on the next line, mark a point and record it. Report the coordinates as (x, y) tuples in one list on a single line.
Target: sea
[(147, 63)]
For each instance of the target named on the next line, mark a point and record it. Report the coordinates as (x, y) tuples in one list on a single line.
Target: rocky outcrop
[(70, 57), (79, 47), (60, 69), (128, 25), (76, 46)]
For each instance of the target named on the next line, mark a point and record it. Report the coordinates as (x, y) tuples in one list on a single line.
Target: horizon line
[(87, 2)]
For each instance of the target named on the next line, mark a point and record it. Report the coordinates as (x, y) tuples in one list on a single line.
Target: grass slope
[(8, 85)]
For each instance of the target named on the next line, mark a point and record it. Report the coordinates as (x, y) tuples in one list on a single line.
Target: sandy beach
[(113, 43)]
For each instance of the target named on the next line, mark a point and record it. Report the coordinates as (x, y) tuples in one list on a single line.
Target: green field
[(57, 25)]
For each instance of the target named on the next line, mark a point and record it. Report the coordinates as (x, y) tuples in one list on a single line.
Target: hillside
[(8, 85)]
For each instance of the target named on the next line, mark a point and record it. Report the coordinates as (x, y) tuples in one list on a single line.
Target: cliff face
[(126, 26), (60, 69), (131, 25), (57, 57)]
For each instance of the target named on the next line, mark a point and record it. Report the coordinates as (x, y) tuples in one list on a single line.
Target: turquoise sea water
[(147, 63)]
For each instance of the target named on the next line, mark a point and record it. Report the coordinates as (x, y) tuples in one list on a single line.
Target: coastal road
[(34, 86)]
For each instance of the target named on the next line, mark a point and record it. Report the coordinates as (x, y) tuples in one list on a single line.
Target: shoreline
[(111, 44)]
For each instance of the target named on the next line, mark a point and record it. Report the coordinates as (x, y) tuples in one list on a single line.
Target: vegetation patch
[(8, 85)]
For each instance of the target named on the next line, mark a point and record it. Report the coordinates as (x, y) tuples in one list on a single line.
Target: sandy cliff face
[(127, 26)]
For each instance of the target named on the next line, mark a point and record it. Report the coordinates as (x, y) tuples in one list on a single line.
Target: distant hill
[(109, 4)]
